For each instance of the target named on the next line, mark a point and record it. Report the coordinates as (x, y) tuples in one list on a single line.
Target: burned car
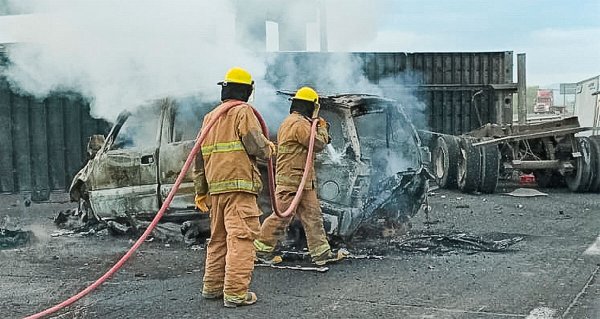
[(372, 172)]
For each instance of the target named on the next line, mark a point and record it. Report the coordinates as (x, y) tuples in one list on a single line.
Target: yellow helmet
[(307, 94), (237, 75)]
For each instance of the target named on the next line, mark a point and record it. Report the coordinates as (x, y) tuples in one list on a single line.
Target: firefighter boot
[(234, 302), (212, 295), (266, 254), (266, 257), (329, 257)]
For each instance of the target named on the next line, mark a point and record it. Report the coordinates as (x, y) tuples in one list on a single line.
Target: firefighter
[(293, 138), (226, 175)]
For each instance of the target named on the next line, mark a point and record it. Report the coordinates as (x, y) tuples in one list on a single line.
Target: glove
[(323, 123), (273, 148), (201, 203)]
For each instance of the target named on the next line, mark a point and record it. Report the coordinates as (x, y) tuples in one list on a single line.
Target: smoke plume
[(120, 54)]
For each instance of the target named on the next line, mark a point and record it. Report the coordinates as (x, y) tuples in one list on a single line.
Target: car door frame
[(111, 200), (171, 158)]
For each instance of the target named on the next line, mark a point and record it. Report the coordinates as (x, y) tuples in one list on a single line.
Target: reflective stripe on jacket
[(293, 138), (229, 153)]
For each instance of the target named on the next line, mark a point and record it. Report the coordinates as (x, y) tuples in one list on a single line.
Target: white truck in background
[(587, 104)]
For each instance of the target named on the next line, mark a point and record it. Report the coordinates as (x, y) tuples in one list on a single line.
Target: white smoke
[(121, 53), (352, 24), (335, 73), (403, 90)]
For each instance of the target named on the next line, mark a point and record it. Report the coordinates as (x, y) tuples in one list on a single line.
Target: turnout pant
[(230, 254), (308, 211)]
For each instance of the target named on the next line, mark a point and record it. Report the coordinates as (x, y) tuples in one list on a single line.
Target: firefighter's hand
[(201, 203), (323, 123), (273, 148)]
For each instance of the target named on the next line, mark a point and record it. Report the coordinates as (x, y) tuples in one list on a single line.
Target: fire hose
[(186, 166)]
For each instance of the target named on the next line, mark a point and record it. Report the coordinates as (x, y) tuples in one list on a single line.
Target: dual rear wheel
[(459, 164)]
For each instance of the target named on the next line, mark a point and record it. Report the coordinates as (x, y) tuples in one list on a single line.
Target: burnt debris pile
[(457, 242), (439, 243), (74, 222), (12, 236)]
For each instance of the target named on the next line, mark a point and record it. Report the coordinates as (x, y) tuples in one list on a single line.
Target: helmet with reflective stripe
[(307, 94), (237, 75)]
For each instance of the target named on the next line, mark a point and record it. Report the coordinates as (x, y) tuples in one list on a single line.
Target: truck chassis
[(475, 161)]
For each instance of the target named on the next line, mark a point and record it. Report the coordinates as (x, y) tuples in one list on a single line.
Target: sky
[(561, 38)]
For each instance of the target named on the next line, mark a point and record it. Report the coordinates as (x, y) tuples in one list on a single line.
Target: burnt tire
[(580, 179), (490, 168), (469, 167), (445, 161), (595, 159)]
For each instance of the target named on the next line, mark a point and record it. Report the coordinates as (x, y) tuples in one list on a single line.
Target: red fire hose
[(186, 166)]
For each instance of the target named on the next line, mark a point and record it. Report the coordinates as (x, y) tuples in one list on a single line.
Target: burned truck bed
[(372, 173)]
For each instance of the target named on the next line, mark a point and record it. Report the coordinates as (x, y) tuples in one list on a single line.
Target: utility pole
[(522, 89)]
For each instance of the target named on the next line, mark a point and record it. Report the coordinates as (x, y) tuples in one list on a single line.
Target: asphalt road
[(548, 274)]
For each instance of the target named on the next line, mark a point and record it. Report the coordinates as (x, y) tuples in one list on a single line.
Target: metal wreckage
[(373, 174)]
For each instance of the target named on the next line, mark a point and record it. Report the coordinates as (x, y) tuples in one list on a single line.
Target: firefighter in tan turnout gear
[(293, 139), (227, 176)]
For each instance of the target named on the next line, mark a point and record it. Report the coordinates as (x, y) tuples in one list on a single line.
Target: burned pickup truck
[(372, 173)]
